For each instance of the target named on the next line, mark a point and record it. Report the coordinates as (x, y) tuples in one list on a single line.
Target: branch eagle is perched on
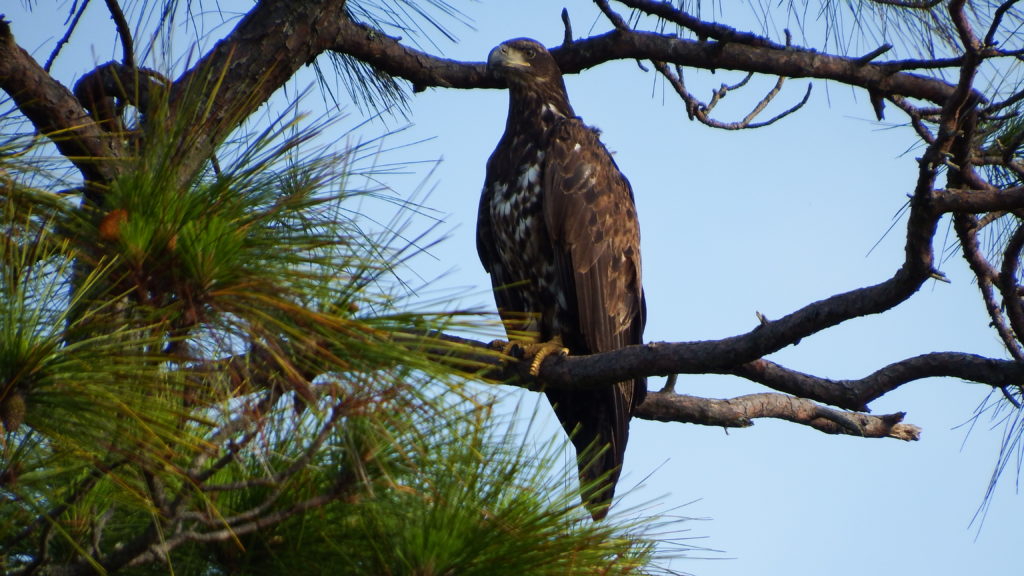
[(557, 232)]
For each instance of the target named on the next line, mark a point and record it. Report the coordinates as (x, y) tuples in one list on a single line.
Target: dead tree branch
[(740, 412)]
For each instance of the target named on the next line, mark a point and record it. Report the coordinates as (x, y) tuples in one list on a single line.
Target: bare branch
[(703, 30), (699, 110), (917, 5), (963, 26), (966, 227), (664, 358), (76, 17), (856, 394), (997, 20), (696, 109), (978, 201), (124, 32), (874, 54), (1008, 282), (917, 117), (567, 37), (614, 17), (425, 70), (741, 411)]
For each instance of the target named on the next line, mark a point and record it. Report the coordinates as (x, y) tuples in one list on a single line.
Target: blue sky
[(735, 223)]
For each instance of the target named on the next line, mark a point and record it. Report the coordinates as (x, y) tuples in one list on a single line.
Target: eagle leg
[(537, 351)]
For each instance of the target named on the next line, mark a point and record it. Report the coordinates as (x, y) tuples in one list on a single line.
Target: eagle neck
[(535, 108)]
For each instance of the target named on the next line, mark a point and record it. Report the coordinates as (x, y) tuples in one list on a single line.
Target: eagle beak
[(505, 56)]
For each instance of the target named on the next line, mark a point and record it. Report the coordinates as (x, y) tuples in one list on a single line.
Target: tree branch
[(966, 227), (265, 49), (425, 70), (740, 411), (978, 201), (54, 111), (665, 358), (856, 394), (124, 32)]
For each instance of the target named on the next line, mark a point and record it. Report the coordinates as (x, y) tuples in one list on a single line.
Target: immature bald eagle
[(558, 233)]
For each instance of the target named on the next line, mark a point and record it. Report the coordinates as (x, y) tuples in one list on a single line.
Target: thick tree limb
[(425, 70), (54, 111), (265, 49), (989, 199), (665, 358), (798, 404)]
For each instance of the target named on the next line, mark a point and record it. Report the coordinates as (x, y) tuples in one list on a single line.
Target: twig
[(874, 54), (917, 117), (124, 32), (670, 383), (66, 37), (997, 19), (567, 37), (697, 109), (614, 17)]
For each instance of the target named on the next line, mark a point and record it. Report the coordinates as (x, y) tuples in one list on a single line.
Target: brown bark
[(54, 110)]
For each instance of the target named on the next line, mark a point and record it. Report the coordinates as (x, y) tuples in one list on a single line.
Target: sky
[(733, 223)]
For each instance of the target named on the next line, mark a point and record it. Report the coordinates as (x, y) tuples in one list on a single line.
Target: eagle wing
[(591, 220)]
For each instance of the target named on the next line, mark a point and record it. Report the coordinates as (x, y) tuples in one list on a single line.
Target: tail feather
[(597, 422)]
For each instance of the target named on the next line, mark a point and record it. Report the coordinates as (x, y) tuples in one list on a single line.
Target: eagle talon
[(541, 351), (538, 351), (503, 346), (509, 348)]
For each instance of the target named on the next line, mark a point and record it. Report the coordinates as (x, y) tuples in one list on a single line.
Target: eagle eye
[(530, 53)]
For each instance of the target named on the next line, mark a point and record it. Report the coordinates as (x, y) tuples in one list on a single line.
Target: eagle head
[(534, 79), (523, 60)]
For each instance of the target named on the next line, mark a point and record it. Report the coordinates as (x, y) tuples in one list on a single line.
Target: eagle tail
[(597, 422)]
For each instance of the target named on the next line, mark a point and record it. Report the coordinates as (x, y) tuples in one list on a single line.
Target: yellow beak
[(505, 56)]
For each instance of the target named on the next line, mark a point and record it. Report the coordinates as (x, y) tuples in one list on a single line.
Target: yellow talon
[(503, 346), (542, 350), (539, 351)]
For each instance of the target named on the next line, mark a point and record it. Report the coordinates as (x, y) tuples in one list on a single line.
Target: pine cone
[(12, 410)]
